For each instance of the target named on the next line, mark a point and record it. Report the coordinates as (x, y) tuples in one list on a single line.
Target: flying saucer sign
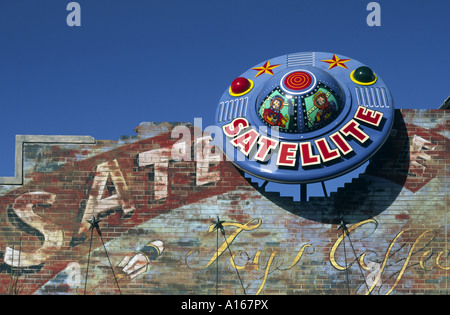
[(304, 117)]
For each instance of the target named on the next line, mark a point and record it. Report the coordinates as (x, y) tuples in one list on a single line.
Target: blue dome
[(304, 117), (300, 101)]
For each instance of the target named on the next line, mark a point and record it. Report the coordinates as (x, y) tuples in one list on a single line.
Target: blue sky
[(145, 60)]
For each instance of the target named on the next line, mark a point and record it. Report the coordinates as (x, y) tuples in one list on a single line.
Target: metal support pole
[(303, 193)]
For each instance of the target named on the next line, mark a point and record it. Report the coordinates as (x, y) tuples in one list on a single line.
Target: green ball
[(364, 74)]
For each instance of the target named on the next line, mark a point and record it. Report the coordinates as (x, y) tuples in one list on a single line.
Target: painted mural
[(140, 216)]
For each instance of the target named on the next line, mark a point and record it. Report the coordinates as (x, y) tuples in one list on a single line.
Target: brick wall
[(156, 194)]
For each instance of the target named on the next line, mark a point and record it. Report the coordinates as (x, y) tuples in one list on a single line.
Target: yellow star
[(267, 68), (335, 61)]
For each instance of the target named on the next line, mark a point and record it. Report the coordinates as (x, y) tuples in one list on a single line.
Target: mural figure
[(273, 116), (325, 107), (135, 264)]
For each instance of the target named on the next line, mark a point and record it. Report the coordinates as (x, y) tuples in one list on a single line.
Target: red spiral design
[(297, 81)]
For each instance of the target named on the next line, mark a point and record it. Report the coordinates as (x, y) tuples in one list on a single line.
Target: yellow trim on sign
[(243, 93), (362, 83)]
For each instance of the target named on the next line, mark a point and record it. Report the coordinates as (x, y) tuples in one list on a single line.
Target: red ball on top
[(240, 85)]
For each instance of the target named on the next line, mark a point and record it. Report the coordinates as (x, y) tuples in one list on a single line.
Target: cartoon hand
[(134, 264)]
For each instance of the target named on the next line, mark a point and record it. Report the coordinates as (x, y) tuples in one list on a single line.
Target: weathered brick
[(396, 213)]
